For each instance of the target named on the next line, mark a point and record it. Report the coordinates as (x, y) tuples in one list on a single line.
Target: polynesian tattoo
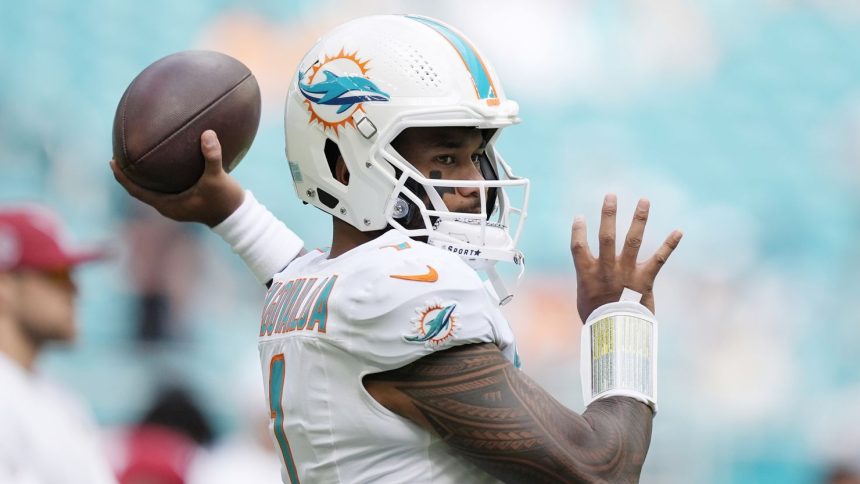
[(492, 414)]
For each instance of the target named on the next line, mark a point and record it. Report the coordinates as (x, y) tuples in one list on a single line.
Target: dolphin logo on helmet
[(343, 91)]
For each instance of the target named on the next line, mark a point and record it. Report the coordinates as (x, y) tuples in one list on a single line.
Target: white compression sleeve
[(263, 242)]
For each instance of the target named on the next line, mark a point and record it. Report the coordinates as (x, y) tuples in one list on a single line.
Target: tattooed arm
[(492, 414), (497, 417)]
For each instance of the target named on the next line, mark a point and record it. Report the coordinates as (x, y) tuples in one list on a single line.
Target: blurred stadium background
[(740, 120)]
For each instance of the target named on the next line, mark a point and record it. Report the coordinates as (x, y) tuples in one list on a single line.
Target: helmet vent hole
[(326, 198), (423, 71), (415, 65)]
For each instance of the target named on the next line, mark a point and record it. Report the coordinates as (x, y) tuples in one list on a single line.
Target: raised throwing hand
[(600, 280)]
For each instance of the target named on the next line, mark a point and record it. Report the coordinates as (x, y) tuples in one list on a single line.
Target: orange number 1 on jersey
[(276, 393)]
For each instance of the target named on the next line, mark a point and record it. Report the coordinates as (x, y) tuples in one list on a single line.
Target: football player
[(386, 357)]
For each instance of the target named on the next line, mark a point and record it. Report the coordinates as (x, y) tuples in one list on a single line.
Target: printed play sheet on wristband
[(621, 355)]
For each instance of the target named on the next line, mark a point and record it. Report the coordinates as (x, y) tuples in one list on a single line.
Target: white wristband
[(263, 242), (619, 353)]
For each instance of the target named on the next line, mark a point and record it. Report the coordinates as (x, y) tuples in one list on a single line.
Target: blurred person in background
[(166, 256), (162, 445), (46, 434), (843, 474), (399, 372)]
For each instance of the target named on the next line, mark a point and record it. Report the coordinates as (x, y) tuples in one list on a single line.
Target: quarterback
[(386, 357)]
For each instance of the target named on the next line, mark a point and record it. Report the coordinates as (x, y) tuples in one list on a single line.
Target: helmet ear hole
[(332, 154)]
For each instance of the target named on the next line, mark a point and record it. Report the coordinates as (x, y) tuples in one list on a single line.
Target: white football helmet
[(358, 88)]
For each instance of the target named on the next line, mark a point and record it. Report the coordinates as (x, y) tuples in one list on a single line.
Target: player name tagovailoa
[(297, 305)]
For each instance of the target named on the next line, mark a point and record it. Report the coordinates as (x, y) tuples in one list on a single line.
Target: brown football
[(165, 109)]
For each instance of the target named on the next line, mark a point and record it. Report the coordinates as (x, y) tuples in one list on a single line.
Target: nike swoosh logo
[(430, 276)]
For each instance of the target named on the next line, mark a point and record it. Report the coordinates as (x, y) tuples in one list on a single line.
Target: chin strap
[(499, 289), (482, 246)]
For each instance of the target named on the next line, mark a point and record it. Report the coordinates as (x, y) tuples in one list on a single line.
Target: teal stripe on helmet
[(479, 73)]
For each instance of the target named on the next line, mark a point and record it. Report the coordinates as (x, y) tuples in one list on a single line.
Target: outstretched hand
[(601, 280), (212, 199)]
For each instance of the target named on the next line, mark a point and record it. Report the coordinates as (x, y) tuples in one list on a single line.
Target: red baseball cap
[(32, 237)]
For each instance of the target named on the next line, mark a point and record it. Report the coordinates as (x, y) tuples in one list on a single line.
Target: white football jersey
[(329, 322)]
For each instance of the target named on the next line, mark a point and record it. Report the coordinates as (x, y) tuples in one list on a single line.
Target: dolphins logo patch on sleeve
[(335, 89), (434, 325)]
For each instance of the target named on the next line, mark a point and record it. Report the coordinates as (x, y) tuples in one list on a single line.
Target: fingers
[(211, 148), (579, 243), (648, 301), (630, 251), (606, 234), (656, 262), (132, 188)]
